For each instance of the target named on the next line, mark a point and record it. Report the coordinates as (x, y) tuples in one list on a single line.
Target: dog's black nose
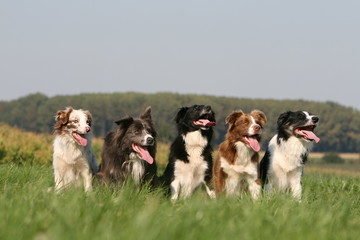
[(315, 119), (150, 141)]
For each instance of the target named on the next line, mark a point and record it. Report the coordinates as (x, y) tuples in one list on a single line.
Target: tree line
[(339, 127)]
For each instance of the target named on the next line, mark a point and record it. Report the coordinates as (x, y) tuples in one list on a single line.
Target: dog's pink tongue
[(311, 135), (253, 143), (144, 154), (205, 122), (80, 139)]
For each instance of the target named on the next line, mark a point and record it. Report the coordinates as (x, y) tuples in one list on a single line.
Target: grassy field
[(29, 209)]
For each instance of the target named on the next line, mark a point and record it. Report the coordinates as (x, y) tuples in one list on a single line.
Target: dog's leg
[(59, 181), (68, 178), (87, 178), (295, 184), (175, 190), (232, 185), (254, 187), (211, 193), (279, 179)]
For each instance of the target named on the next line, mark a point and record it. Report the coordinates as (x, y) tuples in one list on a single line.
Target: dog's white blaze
[(188, 176), (146, 136), (81, 117), (286, 168), (242, 171), (251, 130)]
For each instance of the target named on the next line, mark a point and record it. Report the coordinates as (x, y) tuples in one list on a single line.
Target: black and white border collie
[(129, 151), (282, 165), (236, 166), (190, 159), (73, 158)]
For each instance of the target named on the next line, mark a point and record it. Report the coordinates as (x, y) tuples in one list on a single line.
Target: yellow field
[(332, 170), (352, 156), (18, 146)]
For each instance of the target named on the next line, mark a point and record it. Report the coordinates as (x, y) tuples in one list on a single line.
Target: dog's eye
[(74, 121), (244, 122), (88, 123), (301, 116)]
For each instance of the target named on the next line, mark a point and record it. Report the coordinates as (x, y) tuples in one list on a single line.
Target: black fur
[(264, 167), (185, 124), (115, 166)]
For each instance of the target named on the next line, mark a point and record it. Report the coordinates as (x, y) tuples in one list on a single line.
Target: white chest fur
[(194, 145), (68, 150), (189, 175), (288, 155), (243, 164)]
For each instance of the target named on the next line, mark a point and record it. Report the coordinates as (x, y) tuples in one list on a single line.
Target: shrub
[(332, 157)]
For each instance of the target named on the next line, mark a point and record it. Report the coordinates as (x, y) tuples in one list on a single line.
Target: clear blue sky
[(307, 49)]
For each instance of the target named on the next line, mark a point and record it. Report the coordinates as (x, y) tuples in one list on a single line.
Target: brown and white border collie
[(190, 159), (129, 151), (282, 165), (73, 158), (236, 166)]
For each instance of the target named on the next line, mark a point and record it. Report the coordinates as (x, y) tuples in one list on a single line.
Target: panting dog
[(236, 166), (73, 159), (282, 165), (129, 151), (190, 158)]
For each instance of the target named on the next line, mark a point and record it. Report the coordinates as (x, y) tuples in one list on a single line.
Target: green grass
[(29, 209)]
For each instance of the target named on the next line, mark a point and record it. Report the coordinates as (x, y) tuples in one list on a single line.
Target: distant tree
[(339, 127), (332, 157)]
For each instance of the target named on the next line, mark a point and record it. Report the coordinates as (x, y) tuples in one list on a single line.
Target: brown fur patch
[(259, 117), (62, 118)]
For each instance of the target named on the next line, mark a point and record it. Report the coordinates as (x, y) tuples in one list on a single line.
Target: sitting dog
[(73, 158), (129, 151), (190, 160), (282, 165), (236, 166)]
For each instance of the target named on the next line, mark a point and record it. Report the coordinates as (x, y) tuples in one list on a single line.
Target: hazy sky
[(308, 49)]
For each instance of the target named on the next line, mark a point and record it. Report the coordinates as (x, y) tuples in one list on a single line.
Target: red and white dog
[(73, 158), (236, 166)]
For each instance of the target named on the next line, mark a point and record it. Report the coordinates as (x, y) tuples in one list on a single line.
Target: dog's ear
[(62, 117), (283, 118), (181, 113), (125, 122), (146, 115), (89, 117), (259, 117), (123, 125), (231, 119)]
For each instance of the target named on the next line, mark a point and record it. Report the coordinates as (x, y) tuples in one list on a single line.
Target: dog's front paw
[(212, 194)]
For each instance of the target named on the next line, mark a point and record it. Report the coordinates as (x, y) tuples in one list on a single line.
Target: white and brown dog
[(73, 158), (282, 165), (236, 166)]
